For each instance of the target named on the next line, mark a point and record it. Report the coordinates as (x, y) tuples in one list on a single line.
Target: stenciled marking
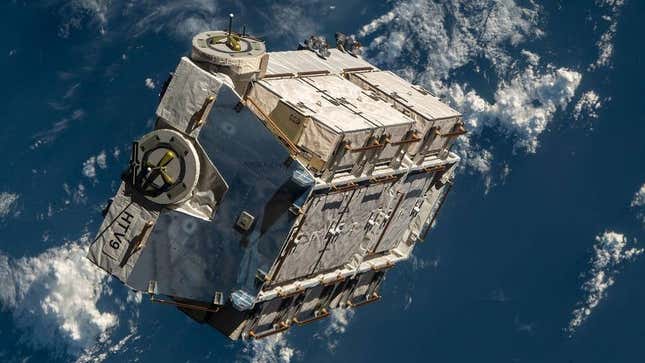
[(112, 247)]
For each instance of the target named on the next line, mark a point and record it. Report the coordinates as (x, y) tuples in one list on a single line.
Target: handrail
[(183, 305), (357, 69), (278, 75), (432, 169), (460, 131), (344, 187), (376, 145), (408, 141), (313, 73)]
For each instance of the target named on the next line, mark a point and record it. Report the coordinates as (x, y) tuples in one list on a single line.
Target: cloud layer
[(610, 253), (638, 202), (7, 203), (54, 298), (430, 42)]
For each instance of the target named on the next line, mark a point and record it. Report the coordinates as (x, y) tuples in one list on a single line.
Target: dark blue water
[(502, 270)]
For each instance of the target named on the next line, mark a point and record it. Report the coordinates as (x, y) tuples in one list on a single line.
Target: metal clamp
[(373, 298), (460, 130), (323, 314), (283, 327)]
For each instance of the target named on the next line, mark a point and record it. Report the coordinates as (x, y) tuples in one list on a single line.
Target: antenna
[(230, 23), (244, 30)]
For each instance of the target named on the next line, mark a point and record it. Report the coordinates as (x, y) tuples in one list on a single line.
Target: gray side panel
[(352, 232), (192, 258), (186, 95), (306, 247), (414, 188), (272, 318), (439, 142)]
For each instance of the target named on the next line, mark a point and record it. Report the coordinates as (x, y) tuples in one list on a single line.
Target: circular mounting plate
[(214, 47), (168, 167)]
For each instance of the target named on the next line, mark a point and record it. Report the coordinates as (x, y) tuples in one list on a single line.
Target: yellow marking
[(167, 158), (166, 178)]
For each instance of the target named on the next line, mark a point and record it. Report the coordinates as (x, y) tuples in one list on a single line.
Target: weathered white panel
[(307, 61), (305, 248), (187, 93), (352, 232), (415, 102), (414, 188)]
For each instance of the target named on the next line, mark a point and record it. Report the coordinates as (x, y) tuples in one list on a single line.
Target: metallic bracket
[(388, 265), (461, 130), (323, 314), (183, 305), (413, 136), (137, 243), (408, 141), (278, 75), (374, 298), (376, 145), (433, 169), (298, 291), (198, 118), (384, 179), (338, 279), (283, 327), (357, 69), (313, 73), (344, 188), (296, 210)]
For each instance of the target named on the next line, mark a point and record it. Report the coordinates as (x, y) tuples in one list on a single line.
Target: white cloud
[(531, 57), (272, 349), (639, 198), (79, 12), (337, 325), (89, 167), (610, 252), (54, 298), (76, 194), (278, 349), (182, 18), (606, 42), (7, 203), (47, 136), (377, 23), (523, 106), (442, 37), (588, 104), (639, 203), (150, 83), (134, 297), (419, 264), (291, 19), (448, 35), (101, 160)]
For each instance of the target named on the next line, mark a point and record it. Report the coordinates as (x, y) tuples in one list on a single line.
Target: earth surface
[(535, 257)]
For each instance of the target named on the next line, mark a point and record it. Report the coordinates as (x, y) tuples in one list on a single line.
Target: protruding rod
[(230, 23), (244, 30)]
